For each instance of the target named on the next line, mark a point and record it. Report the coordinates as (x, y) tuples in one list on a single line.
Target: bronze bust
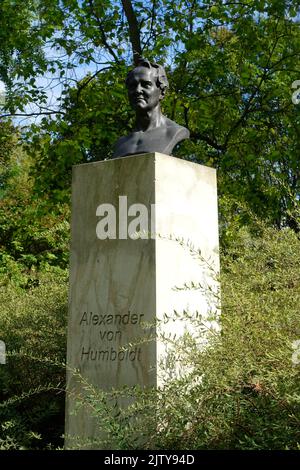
[(147, 84)]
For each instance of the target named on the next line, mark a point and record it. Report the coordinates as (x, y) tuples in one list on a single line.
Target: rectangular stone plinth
[(137, 223)]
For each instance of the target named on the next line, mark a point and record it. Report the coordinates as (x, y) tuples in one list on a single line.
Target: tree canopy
[(231, 65)]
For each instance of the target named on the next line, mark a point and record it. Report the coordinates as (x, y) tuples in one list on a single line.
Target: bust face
[(143, 93)]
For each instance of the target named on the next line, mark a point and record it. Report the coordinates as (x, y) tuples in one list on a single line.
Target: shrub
[(33, 327), (243, 392)]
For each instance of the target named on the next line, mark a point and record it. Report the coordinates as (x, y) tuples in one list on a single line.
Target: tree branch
[(134, 30), (103, 36), (208, 140), (153, 15), (83, 84), (253, 95), (39, 113)]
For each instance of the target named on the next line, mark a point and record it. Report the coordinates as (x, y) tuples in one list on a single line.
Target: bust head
[(147, 84)]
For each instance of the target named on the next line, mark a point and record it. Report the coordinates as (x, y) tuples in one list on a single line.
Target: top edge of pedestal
[(136, 155), (155, 155)]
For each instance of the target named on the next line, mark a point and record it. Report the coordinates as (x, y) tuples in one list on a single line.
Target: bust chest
[(143, 142), (161, 139)]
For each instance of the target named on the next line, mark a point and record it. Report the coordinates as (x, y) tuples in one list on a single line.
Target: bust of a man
[(147, 84)]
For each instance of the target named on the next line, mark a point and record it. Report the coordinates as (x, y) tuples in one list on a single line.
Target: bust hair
[(161, 76)]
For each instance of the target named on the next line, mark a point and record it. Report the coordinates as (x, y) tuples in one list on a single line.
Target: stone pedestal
[(137, 223)]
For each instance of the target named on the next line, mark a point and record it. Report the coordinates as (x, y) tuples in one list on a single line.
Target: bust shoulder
[(174, 134), (171, 124)]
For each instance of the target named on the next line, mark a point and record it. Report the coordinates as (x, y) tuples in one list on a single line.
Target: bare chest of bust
[(160, 139)]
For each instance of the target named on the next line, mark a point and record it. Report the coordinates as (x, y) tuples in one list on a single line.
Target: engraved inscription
[(112, 352)]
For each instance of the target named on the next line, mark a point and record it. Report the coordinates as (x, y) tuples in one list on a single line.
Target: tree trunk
[(134, 30)]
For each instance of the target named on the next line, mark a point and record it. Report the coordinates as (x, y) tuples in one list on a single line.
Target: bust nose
[(138, 89)]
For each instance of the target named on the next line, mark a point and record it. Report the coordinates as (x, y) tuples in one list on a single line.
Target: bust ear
[(162, 94)]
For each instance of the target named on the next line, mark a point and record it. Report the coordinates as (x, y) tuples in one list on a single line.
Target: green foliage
[(234, 88), (231, 68), (33, 293), (16, 37), (33, 327), (96, 114), (33, 231), (243, 391)]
